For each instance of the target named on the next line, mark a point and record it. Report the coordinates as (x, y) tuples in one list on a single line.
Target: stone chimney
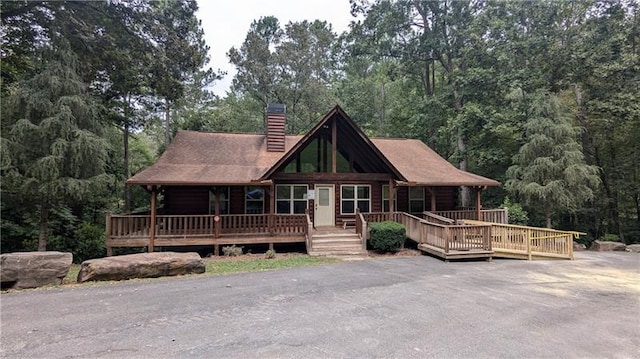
[(276, 122)]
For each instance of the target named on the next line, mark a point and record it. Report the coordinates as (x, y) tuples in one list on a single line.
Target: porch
[(446, 234), (205, 230)]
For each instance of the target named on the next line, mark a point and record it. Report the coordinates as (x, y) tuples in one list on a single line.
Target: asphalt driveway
[(411, 307)]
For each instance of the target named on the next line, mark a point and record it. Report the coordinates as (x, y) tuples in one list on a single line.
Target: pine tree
[(52, 152), (550, 171)]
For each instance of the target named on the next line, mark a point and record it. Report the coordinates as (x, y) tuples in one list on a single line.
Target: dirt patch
[(404, 252)]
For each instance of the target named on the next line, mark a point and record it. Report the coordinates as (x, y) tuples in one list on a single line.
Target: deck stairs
[(336, 242)]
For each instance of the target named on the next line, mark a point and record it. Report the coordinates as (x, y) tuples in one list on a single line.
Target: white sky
[(226, 23)]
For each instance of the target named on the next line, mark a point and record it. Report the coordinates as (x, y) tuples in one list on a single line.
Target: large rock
[(142, 265), (633, 248), (605, 246), (578, 246), (33, 269)]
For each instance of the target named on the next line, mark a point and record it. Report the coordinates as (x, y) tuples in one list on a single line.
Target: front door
[(324, 205)]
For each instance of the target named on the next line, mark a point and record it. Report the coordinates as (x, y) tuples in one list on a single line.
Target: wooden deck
[(447, 238), (205, 230)]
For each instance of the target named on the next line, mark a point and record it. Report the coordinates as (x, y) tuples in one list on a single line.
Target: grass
[(243, 264), (257, 264)]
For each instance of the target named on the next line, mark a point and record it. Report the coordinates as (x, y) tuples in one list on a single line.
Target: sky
[(226, 23)]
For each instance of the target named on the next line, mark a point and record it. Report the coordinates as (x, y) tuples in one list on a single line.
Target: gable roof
[(356, 138), (206, 159)]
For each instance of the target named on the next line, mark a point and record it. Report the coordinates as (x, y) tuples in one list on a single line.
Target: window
[(416, 199), (253, 200), (385, 199), (223, 198), (355, 196), (291, 198)]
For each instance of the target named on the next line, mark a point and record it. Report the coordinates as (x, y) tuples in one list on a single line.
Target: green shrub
[(89, 243), (232, 251), (387, 236), (517, 215), (611, 237), (270, 254)]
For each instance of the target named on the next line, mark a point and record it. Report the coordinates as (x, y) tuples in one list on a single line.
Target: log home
[(228, 188)]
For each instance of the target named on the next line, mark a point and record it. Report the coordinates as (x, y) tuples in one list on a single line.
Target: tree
[(54, 153), (550, 172), (293, 66)]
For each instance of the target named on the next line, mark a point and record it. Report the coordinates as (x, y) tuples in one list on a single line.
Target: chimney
[(276, 122)]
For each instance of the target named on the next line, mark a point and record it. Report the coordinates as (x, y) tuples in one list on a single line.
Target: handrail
[(309, 232), (529, 241), (362, 229), (434, 218), (497, 215)]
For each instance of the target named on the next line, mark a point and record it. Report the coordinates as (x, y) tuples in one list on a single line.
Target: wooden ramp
[(464, 238)]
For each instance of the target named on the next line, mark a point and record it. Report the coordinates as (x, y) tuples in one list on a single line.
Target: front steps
[(336, 244)]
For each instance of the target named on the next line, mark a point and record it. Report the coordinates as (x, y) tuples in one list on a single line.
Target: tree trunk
[(127, 192), (465, 193), (547, 215), (167, 123), (44, 226)]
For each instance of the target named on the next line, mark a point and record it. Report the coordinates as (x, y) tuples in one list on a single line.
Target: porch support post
[(152, 220), (432, 192), (392, 196), (478, 204), (272, 206), (334, 146)]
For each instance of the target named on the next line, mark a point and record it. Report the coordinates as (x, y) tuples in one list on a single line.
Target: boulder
[(33, 269), (142, 265), (633, 248), (604, 246), (579, 246)]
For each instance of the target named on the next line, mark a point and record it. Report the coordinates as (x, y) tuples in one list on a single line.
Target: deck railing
[(499, 215), (524, 241), (445, 237)]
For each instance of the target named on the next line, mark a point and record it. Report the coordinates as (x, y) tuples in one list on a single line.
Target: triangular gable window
[(316, 157)]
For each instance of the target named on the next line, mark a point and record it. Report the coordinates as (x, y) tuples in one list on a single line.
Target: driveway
[(411, 307)]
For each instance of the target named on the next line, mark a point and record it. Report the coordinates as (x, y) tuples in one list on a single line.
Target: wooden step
[(347, 244)]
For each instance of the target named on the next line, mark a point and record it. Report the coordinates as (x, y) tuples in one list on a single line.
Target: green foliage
[(270, 254), (610, 237), (293, 65), (387, 236), (517, 215), (232, 251), (550, 172), (89, 242)]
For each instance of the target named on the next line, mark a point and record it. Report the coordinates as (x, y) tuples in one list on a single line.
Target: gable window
[(355, 196), (223, 197), (385, 199), (416, 199), (253, 200), (291, 198)]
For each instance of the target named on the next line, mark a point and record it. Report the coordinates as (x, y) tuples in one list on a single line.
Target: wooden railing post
[(107, 235), (529, 244), (447, 236), (152, 222)]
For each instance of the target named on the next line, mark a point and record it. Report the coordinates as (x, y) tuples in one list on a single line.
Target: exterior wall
[(195, 200), (186, 200)]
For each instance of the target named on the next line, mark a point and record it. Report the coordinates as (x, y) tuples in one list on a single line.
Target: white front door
[(324, 205)]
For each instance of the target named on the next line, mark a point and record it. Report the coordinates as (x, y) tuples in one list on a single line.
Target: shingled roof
[(198, 158)]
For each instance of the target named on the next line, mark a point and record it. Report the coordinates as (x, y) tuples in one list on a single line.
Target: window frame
[(226, 200), (386, 200), (415, 199), (292, 198), (248, 189), (355, 198)]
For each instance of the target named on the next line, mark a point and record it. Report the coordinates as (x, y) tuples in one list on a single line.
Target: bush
[(271, 254), (517, 215), (387, 236), (89, 242), (232, 251), (610, 237)]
